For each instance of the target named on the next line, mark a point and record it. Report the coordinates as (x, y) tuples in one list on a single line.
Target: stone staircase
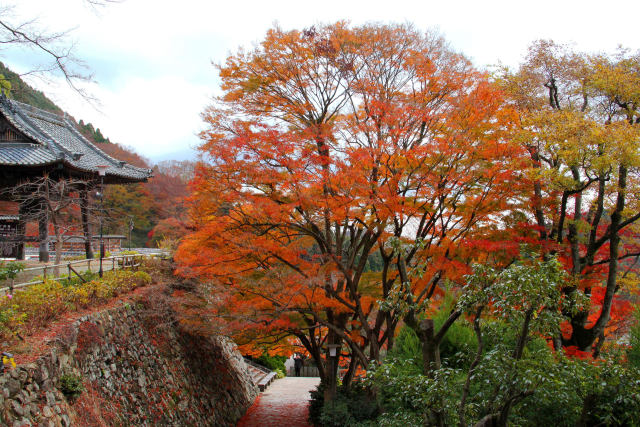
[(260, 375)]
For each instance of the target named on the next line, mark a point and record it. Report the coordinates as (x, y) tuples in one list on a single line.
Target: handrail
[(257, 365), (128, 261), (88, 260)]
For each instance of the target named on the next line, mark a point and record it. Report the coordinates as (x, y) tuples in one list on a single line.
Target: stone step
[(256, 374), (261, 376)]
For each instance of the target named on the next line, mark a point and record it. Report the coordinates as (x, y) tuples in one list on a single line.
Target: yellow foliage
[(33, 307)]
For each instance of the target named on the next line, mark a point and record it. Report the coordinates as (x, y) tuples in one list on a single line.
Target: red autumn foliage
[(332, 145)]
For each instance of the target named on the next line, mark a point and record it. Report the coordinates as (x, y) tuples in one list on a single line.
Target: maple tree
[(330, 144), (579, 118)]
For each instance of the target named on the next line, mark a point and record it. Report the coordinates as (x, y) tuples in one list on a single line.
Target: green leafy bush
[(70, 385), (456, 348), (633, 353), (10, 270), (407, 347), (459, 343), (335, 414), (316, 402), (516, 369), (352, 407), (272, 362), (408, 395)]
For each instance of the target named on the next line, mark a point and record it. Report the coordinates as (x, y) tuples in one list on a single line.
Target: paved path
[(283, 403)]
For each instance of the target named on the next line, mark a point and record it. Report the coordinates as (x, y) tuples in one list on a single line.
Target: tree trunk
[(22, 227), (490, 420), (58, 249), (431, 363), (86, 227), (43, 235), (348, 377), (430, 347), (581, 336), (331, 388), (587, 406)]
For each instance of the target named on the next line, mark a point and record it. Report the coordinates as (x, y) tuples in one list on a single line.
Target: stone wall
[(138, 368)]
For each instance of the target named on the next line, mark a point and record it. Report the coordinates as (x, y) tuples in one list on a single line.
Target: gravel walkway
[(283, 403)]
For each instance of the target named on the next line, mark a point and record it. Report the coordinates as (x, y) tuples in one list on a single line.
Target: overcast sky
[(152, 59)]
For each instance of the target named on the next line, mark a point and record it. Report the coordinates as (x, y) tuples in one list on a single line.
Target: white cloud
[(153, 58), (155, 116)]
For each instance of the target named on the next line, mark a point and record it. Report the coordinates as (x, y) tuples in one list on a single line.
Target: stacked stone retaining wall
[(138, 368)]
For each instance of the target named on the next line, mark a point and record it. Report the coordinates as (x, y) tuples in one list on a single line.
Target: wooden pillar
[(22, 228), (43, 234), (86, 227)]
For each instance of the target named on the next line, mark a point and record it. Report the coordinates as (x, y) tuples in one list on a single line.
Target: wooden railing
[(117, 262)]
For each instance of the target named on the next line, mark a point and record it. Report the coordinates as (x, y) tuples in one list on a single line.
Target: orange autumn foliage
[(330, 145)]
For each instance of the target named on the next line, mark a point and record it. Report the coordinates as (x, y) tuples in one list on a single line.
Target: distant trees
[(147, 204), (17, 89), (92, 134)]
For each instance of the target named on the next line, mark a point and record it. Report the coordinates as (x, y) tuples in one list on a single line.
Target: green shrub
[(406, 345), (10, 269), (335, 414), (272, 362), (566, 392), (351, 407), (316, 402), (633, 352), (70, 385), (74, 280), (362, 406), (456, 348)]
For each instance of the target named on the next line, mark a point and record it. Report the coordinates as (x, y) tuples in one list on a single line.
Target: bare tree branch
[(56, 47)]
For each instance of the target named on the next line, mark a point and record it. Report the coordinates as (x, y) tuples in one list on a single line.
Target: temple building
[(36, 143)]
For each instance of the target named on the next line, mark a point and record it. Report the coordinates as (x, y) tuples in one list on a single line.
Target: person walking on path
[(297, 364)]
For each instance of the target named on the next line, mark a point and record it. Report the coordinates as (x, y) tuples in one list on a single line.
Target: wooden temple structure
[(35, 143)]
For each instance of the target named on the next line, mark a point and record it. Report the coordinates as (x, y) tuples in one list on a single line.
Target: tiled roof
[(56, 139)]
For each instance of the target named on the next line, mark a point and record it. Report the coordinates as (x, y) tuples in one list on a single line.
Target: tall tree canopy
[(579, 120), (330, 144)]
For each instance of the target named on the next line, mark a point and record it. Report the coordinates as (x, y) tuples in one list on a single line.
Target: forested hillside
[(156, 207), (22, 92)]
